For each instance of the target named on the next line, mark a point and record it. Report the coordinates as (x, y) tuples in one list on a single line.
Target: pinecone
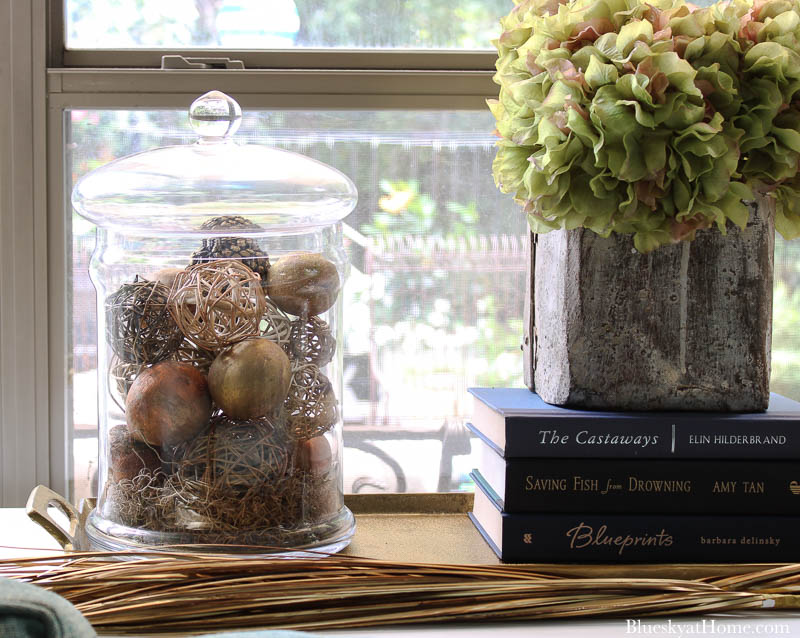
[(246, 250)]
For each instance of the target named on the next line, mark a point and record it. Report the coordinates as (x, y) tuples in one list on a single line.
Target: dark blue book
[(519, 424), (643, 486), (632, 538)]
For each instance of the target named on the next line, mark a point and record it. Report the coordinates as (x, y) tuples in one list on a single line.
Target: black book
[(624, 486), (629, 538), (519, 424)]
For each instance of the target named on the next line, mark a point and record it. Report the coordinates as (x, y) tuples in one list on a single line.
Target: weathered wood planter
[(686, 327)]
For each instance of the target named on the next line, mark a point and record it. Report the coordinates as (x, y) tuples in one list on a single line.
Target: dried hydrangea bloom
[(655, 119)]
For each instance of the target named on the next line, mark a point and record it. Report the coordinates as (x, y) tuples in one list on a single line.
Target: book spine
[(653, 437), (671, 486), (649, 539)]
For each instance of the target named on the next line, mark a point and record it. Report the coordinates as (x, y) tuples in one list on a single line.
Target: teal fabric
[(28, 611)]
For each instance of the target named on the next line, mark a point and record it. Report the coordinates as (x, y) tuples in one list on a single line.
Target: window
[(282, 24), (434, 299), (391, 93)]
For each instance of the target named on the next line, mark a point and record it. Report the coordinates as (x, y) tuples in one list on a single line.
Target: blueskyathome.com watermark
[(704, 627)]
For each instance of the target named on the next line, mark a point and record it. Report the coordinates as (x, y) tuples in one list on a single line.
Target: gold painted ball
[(250, 379)]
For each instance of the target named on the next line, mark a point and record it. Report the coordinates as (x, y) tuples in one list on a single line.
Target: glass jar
[(218, 270)]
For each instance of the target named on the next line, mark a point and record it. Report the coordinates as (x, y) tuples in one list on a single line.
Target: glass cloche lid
[(174, 189)]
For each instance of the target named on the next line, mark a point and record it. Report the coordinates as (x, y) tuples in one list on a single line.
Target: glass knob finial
[(215, 115)]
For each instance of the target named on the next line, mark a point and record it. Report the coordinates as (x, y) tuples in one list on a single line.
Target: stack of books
[(561, 485)]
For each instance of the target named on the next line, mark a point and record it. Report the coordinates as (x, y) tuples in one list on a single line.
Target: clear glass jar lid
[(174, 189)]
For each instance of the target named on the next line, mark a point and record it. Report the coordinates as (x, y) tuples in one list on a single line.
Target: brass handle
[(39, 501)]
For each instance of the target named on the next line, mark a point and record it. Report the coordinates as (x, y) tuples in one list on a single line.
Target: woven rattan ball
[(311, 341), (311, 406), (276, 326), (235, 455), (241, 248), (189, 352), (121, 376), (139, 326), (218, 303)]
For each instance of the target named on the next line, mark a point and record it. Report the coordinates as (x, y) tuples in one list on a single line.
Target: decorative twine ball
[(276, 326), (314, 456), (191, 353), (168, 403), (166, 276), (245, 250), (128, 457), (235, 454), (139, 326), (311, 341), (303, 284), (217, 303), (312, 408), (250, 379), (121, 376)]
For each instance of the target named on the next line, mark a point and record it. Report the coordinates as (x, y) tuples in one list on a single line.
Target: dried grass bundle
[(197, 514), (186, 593), (237, 483)]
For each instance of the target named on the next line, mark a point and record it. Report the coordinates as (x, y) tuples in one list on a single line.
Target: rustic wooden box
[(686, 327)]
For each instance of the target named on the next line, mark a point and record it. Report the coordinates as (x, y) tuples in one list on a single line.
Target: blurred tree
[(400, 23), (205, 28), (467, 24)]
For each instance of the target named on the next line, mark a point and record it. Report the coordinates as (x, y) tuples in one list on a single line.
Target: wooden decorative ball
[(168, 403), (314, 455), (166, 276), (311, 341), (312, 407), (217, 303), (235, 454), (139, 326), (250, 379), (128, 457), (303, 284)]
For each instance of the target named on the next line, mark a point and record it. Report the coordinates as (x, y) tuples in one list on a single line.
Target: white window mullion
[(24, 383), (275, 88), (292, 58)]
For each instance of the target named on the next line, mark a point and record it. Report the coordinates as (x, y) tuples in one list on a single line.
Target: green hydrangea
[(655, 119)]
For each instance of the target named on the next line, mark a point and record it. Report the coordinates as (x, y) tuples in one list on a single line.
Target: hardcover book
[(519, 424), (637, 485), (622, 538)]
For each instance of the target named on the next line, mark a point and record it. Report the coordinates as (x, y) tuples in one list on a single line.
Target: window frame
[(46, 79)]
